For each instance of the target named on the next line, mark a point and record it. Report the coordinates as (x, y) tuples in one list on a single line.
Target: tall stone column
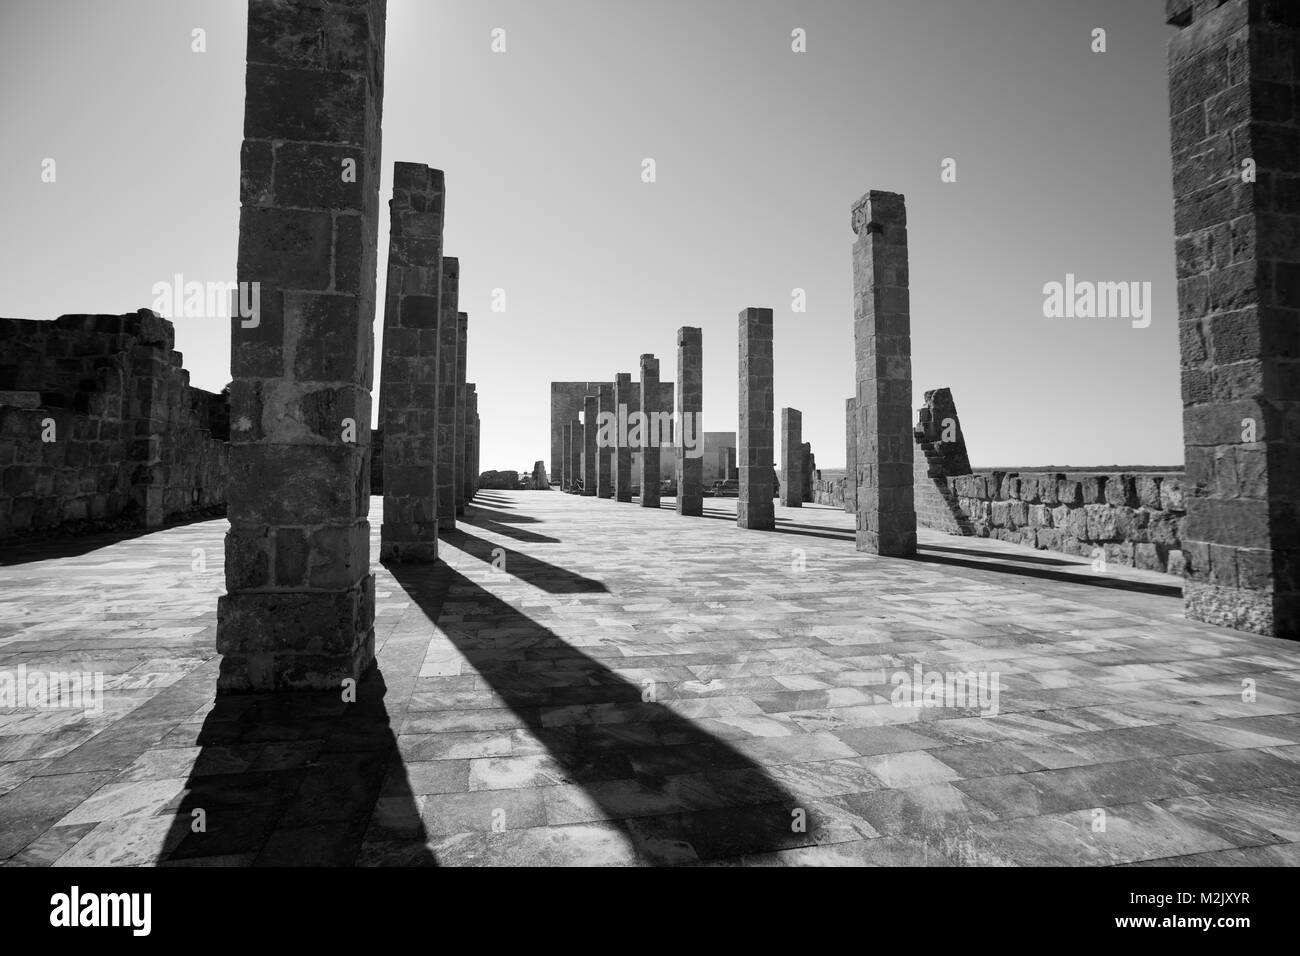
[(462, 332), (690, 421), (605, 452), (754, 445), (1234, 79), (409, 371), (448, 370), (883, 355), (623, 453), (299, 607), (589, 410), (566, 443), (471, 440), (851, 455), (791, 458), (651, 431), (575, 455)]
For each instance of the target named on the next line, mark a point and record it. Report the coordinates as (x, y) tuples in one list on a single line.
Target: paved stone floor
[(606, 684)]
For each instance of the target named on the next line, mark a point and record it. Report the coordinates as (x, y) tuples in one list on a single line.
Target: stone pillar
[(462, 331), (605, 452), (471, 441), (851, 455), (883, 350), (754, 445), (299, 607), (409, 371), (791, 458), (690, 421), (590, 407), (623, 453), (448, 369), (808, 470), (566, 440), (575, 455), (1234, 78), (650, 431)]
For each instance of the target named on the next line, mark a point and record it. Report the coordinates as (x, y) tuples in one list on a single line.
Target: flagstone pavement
[(587, 682)]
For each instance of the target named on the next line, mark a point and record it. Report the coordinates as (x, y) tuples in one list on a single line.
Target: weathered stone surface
[(650, 407), (1233, 85), (625, 402), (462, 432), (851, 455), (409, 372), (607, 410), (755, 439), (792, 476), (589, 452), (574, 466), (312, 248), (883, 356), (567, 402), (448, 372), (690, 421)]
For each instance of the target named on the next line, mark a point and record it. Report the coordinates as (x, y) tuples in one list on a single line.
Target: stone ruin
[(136, 444)]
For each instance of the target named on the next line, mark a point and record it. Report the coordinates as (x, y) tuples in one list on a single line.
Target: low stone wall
[(100, 428), (829, 491), (1135, 520)]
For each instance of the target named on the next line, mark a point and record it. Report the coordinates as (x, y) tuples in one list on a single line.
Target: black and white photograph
[(693, 434)]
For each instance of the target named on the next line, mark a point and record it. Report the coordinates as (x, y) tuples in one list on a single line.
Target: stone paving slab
[(586, 682)]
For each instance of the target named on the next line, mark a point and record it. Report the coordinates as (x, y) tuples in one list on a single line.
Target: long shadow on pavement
[(292, 779), (676, 792)]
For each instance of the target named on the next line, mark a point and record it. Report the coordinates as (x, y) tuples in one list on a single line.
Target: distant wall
[(133, 444), (1136, 520)]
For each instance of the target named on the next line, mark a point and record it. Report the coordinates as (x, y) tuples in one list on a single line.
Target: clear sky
[(1062, 162)]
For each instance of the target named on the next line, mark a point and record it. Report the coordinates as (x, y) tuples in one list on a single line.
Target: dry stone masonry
[(1234, 75), (448, 371), (791, 458), (942, 457), (299, 607), (458, 471), (589, 429), (650, 407), (755, 452), (100, 428), (409, 371), (883, 356), (605, 453), (625, 401), (690, 408)]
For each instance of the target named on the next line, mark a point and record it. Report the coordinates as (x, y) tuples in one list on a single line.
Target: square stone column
[(299, 607), (883, 354), (651, 431), (566, 441), (575, 455), (690, 421), (1234, 79), (590, 407), (605, 451), (462, 333), (471, 440), (625, 404), (409, 382), (851, 455), (791, 458), (754, 439), (448, 370)]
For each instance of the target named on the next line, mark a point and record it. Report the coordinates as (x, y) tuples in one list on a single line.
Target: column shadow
[(293, 779), (539, 573), (676, 792), (1000, 565)]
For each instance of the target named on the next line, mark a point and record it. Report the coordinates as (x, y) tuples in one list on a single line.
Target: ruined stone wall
[(134, 444), (1136, 519)]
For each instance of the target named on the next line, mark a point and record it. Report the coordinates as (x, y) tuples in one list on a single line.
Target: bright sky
[(1062, 160)]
